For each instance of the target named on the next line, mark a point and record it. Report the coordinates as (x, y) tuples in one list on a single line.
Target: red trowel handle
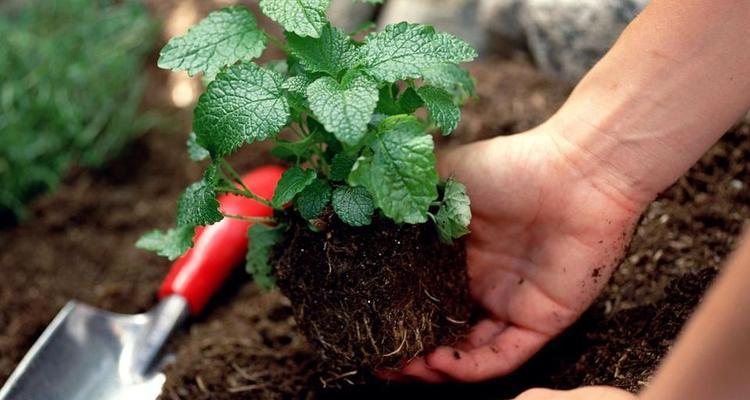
[(218, 248)]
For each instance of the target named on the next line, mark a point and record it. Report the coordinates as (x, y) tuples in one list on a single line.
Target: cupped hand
[(546, 236), (588, 393)]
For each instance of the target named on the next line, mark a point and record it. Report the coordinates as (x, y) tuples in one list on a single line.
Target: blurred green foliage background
[(71, 88)]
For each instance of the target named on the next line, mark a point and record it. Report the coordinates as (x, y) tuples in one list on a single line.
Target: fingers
[(588, 393), (492, 349), (498, 356), (391, 375), (419, 369), (481, 334), (450, 161)]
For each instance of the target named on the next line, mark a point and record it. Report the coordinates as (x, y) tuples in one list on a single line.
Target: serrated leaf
[(171, 244), (292, 182), (344, 109), (353, 205), (303, 17), (401, 175), (261, 239), (281, 67), (454, 215), (387, 102), (195, 151), (296, 85), (198, 205), (410, 101), (222, 38), (360, 173), (314, 199), (403, 51), (452, 78), (244, 103), (443, 111), (341, 166), (332, 53), (296, 91), (284, 154)]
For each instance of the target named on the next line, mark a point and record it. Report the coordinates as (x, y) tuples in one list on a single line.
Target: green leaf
[(454, 215), (195, 151), (244, 103), (171, 244), (401, 175), (292, 182), (341, 166), (410, 101), (332, 53), (443, 111), (222, 38), (296, 84), (261, 239), (353, 205), (314, 199), (403, 51), (303, 17), (198, 204), (452, 78), (301, 149), (360, 174), (387, 102), (344, 109), (280, 67)]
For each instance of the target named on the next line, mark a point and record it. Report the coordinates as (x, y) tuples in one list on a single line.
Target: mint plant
[(350, 111)]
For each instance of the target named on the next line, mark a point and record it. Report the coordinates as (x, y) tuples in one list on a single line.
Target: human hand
[(588, 393), (546, 237)]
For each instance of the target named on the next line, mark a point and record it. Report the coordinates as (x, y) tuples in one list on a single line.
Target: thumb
[(452, 160)]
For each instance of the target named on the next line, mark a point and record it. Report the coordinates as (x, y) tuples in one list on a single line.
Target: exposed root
[(372, 297), (398, 350), (456, 321)]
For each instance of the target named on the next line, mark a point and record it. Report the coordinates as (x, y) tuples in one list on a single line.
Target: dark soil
[(80, 245), (376, 296)]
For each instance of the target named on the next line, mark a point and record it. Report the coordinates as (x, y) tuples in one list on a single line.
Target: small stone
[(502, 22), (736, 184), (458, 17), (567, 37), (348, 15)]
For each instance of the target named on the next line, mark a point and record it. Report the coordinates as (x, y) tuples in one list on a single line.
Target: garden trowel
[(91, 354)]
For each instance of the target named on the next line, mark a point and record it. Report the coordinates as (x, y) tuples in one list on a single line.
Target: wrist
[(594, 153)]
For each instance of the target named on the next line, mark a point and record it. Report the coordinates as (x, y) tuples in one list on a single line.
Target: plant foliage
[(71, 87), (350, 112)]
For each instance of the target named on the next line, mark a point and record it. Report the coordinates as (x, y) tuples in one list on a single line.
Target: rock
[(348, 15), (567, 37), (502, 20), (459, 17)]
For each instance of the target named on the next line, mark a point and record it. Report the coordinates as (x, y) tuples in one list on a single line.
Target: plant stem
[(301, 133), (244, 193), (237, 179), (257, 220)]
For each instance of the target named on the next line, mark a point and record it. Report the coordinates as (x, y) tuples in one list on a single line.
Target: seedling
[(354, 133)]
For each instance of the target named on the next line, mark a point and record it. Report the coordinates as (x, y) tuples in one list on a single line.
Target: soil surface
[(80, 245), (376, 296)]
